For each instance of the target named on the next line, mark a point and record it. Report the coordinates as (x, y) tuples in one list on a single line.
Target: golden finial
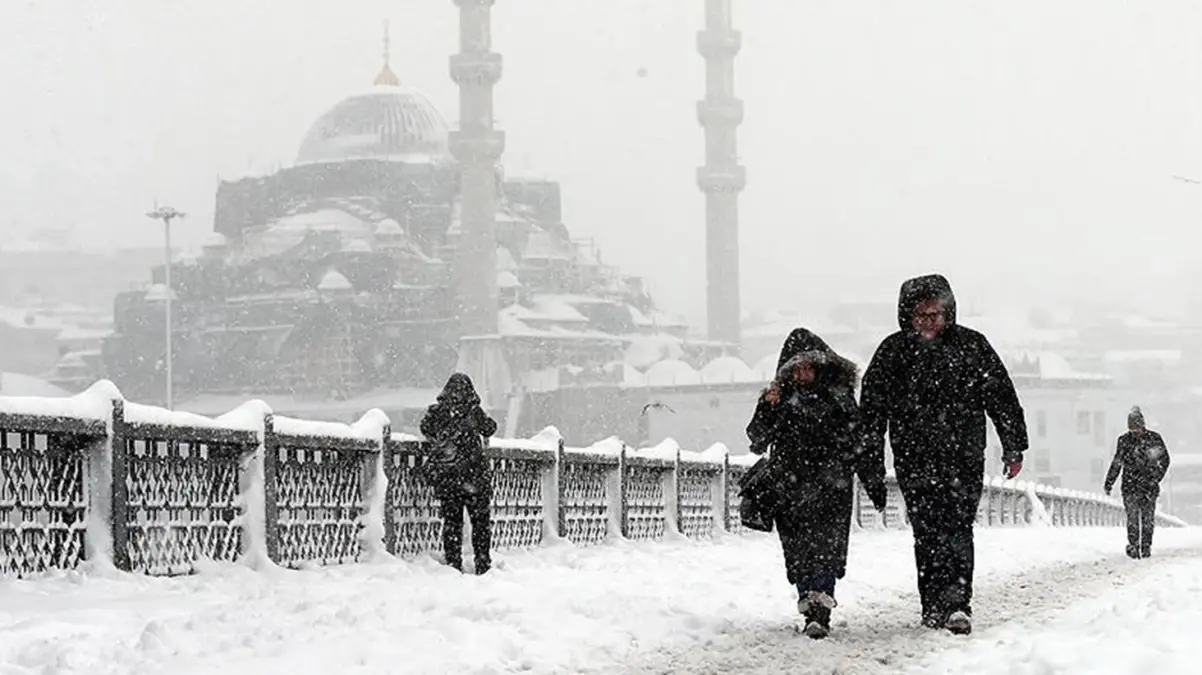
[(386, 76)]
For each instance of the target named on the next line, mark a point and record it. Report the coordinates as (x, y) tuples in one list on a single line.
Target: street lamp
[(167, 214)]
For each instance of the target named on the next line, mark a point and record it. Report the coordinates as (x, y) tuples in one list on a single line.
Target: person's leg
[(450, 509), (927, 547), (479, 509), (1148, 524), (1131, 504)]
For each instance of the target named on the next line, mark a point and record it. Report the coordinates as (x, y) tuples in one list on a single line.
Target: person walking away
[(1143, 460), (457, 426), (808, 419), (930, 385)]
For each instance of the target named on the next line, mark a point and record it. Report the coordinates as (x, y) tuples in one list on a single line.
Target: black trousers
[(942, 518), (1141, 521), (479, 510)]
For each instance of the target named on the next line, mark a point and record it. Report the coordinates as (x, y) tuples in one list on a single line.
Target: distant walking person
[(931, 385), (457, 428), (808, 420), (1143, 460)]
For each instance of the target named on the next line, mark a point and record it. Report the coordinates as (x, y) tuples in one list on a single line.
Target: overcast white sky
[(1024, 147)]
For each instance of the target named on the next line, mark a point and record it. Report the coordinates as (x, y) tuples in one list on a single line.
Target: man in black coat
[(931, 385), (1143, 460)]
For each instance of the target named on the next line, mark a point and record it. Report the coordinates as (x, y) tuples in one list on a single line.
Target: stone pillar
[(721, 178), (477, 146)]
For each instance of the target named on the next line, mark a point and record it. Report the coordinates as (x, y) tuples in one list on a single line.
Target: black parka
[(933, 396), (456, 416)]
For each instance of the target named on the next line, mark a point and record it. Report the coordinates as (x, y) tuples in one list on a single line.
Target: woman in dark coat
[(457, 423), (808, 417)]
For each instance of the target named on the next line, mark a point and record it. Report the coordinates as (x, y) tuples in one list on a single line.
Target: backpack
[(445, 464)]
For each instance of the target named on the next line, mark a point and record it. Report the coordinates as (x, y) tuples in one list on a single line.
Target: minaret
[(721, 178), (477, 146)]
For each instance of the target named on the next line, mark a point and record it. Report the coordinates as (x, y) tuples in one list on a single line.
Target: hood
[(798, 342), (1135, 419), (920, 289), (459, 390), (832, 370)]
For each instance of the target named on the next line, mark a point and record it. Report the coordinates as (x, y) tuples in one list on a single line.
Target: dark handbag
[(756, 505)]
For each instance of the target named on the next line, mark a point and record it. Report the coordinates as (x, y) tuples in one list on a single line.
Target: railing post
[(371, 471), (271, 492), (119, 490), (671, 483), (390, 465), (621, 494), (554, 516), (725, 486)]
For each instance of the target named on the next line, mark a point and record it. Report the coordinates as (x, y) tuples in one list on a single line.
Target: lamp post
[(167, 214)]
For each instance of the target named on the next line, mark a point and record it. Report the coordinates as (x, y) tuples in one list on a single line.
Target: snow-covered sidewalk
[(666, 607), (1149, 626)]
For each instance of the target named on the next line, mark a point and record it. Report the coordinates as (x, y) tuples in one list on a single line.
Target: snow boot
[(816, 607), (959, 623)]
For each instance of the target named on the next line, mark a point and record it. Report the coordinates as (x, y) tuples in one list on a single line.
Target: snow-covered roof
[(16, 384)]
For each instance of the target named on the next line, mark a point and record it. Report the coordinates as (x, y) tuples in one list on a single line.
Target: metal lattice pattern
[(734, 523), (320, 500), (182, 504), (644, 502), (413, 509), (517, 503), (42, 505), (696, 511), (584, 501)]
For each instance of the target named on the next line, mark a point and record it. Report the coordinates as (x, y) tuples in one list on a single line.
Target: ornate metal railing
[(160, 493)]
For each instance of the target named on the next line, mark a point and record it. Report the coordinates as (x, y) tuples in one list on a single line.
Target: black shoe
[(959, 623), (1133, 552), (1146, 553)]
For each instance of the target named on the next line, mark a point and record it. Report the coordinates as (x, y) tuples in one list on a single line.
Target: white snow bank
[(137, 413), (95, 403), (715, 454), (561, 609), (745, 460)]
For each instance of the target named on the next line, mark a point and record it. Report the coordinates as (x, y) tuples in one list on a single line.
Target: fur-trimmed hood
[(832, 370)]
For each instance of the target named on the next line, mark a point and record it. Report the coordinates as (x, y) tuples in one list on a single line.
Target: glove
[(877, 493), (1106, 489), (1013, 469)]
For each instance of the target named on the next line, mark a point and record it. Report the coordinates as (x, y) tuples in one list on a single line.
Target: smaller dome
[(672, 372), (726, 370), (387, 122)]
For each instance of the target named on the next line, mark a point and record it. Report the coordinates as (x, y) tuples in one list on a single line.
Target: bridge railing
[(97, 479)]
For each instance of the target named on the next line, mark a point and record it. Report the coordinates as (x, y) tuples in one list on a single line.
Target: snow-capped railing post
[(671, 479), (615, 491), (119, 489), (621, 493), (373, 487), (390, 462), (271, 491), (554, 517)]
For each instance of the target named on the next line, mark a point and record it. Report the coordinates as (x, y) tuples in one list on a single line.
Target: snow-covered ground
[(681, 607)]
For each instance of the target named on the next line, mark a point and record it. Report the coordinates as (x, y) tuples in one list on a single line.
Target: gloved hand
[(1012, 469), (1106, 489), (878, 494)]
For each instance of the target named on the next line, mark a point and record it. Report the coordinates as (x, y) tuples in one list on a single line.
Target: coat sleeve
[(761, 429), (485, 426), (1163, 461), (869, 463), (1116, 466), (877, 389), (1002, 405), (433, 424)]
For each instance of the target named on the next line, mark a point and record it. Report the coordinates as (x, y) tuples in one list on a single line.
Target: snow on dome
[(672, 372), (765, 368), (387, 122), (727, 369), (334, 281), (631, 377)]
